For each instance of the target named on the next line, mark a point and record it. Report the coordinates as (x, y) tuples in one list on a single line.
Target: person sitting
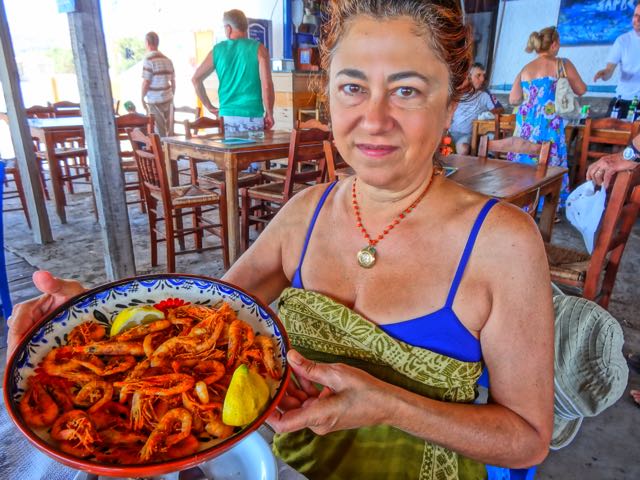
[(396, 285), (130, 107), (470, 107)]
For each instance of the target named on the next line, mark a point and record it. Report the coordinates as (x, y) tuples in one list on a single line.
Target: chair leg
[(171, 234), (23, 200), (193, 170), (244, 219), (222, 211), (153, 235), (197, 232)]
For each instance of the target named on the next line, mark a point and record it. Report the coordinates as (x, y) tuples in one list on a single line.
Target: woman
[(397, 396), (536, 118)]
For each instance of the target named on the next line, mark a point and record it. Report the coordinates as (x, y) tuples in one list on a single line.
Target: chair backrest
[(515, 145), (620, 214), (505, 125), (178, 115), (305, 146), (131, 120), (603, 131), (66, 109), (195, 127), (147, 150), (39, 111), (332, 162), (312, 123)]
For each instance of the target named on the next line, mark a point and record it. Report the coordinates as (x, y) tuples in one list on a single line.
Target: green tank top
[(240, 92)]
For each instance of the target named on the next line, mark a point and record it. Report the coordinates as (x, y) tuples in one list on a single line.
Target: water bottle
[(631, 114), (615, 111), (584, 114)]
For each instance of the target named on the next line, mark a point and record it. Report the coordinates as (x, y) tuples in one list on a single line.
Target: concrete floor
[(606, 447)]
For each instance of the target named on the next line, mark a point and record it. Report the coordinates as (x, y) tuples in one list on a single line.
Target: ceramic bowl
[(103, 303)]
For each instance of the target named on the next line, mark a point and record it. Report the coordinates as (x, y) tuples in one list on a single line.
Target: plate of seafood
[(148, 375)]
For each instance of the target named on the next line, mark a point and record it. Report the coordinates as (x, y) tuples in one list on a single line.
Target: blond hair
[(540, 42)]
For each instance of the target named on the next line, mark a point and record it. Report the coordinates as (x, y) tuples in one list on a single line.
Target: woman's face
[(389, 101)]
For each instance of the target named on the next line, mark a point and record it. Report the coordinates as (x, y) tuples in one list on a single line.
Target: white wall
[(519, 19)]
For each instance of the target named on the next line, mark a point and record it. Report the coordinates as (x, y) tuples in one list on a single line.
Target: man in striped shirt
[(158, 85)]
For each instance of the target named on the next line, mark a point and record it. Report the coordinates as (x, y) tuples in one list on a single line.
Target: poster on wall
[(260, 30), (591, 22)]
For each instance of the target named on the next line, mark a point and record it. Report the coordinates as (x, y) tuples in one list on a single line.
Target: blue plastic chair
[(4, 282)]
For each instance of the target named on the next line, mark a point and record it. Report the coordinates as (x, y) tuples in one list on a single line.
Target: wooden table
[(43, 129), (230, 159), (511, 182)]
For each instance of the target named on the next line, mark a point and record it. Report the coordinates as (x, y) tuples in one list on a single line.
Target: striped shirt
[(158, 69)]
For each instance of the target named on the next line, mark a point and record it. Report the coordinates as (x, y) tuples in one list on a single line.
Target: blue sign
[(593, 22), (67, 6), (260, 30)]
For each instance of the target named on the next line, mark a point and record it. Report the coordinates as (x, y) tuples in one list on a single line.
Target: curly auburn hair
[(438, 22)]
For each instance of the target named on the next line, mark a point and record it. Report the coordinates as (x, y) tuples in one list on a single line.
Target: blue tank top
[(440, 331)]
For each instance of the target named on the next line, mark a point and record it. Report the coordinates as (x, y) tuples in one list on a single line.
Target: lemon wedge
[(133, 316), (246, 398)]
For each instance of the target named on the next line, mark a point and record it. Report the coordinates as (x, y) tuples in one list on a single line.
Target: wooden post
[(20, 135), (92, 71)]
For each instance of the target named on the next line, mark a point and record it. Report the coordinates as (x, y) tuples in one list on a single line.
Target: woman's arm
[(515, 96), (575, 80), (514, 429)]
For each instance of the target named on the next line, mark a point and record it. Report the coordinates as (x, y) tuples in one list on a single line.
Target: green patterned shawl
[(326, 331)]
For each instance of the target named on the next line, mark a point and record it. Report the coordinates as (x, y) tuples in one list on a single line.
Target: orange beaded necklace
[(367, 256)]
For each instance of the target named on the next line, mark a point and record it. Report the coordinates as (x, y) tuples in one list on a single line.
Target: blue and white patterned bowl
[(102, 304)]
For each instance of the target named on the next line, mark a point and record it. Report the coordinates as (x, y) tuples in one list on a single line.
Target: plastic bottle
[(615, 111), (631, 114)]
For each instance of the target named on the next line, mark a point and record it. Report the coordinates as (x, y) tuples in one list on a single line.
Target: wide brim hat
[(590, 371)]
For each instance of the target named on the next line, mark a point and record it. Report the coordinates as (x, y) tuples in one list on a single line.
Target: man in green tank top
[(245, 88)]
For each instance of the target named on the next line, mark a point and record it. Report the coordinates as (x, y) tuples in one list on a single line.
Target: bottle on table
[(633, 108), (584, 114), (615, 111)]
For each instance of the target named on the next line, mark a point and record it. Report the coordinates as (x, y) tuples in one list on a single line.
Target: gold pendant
[(367, 257)]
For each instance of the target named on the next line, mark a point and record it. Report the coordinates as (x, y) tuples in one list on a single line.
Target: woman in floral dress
[(535, 87)]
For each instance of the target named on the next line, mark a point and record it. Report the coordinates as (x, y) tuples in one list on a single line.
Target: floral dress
[(536, 121)]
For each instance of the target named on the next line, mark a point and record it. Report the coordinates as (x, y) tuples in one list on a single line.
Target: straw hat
[(590, 371)]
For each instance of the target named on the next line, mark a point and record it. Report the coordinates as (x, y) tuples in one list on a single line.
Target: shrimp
[(86, 332), (268, 355), (111, 348), (109, 415), (142, 330), (57, 363), (202, 392), (115, 364), (216, 428), (185, 447), (160, 385), (174, 427), (119, 454), (240, 336), (75, 449), (75, 426), (94, 395), (37, 407), (212, 371), (119, 435)]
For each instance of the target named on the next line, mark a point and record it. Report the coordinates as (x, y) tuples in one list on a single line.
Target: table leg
[(474, 138), (56, 183), (233, 210), (548, 214)]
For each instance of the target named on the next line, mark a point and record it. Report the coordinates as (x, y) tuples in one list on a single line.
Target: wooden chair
[(602, 131), (116, 107), (213, 180), (521, 146), (333, 162), (593, 276), (175, 203), (39, 111), (66, 109), (179, 115), (279, 174), (505, 125), (314, 113), (11, 168), (132, 181), (305, 145)]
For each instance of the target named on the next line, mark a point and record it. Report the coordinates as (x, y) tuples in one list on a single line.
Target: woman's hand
[(350, 398), (602, 171), (55, 292)]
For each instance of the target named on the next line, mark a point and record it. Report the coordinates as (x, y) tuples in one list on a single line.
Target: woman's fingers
[(47, 283)]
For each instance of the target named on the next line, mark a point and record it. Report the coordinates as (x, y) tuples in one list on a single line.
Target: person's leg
[(161, 113), (463, 143)]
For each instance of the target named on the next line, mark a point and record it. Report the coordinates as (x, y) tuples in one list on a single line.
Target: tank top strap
[(312, 224), (467, 251)]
